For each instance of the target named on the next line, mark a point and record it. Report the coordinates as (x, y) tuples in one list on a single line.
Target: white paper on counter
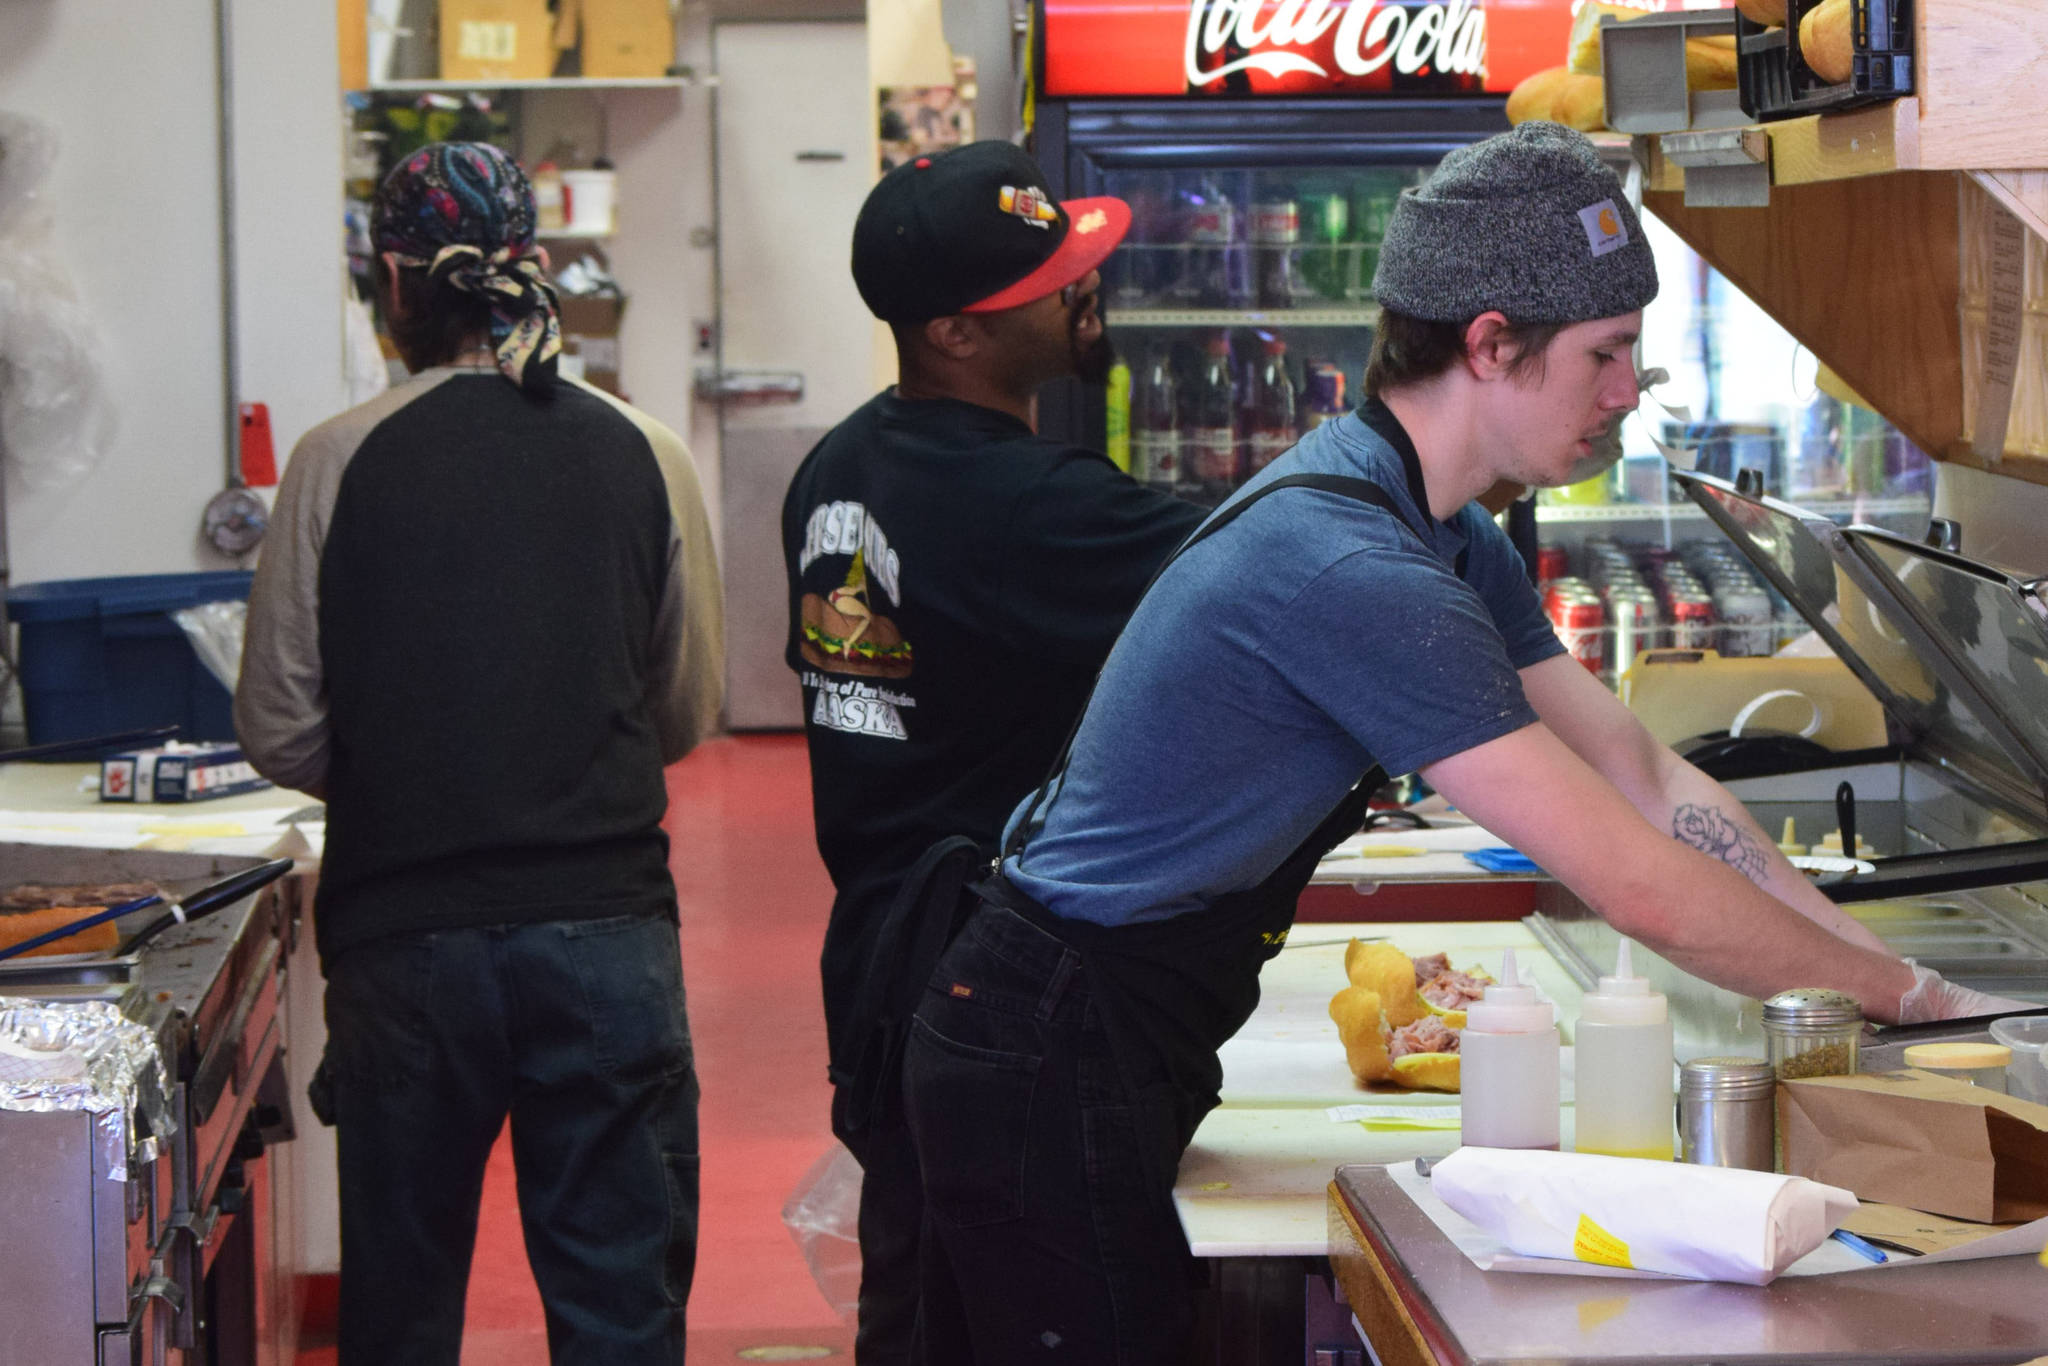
[(1829, 1259), (255, 832)]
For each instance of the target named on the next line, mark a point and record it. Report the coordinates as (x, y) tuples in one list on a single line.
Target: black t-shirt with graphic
[(955, 581)]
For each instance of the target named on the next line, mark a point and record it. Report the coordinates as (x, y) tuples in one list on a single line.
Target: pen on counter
[(1858, 1246)]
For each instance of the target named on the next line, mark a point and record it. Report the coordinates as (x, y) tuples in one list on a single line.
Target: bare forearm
[(1701, 813), (1746, 942)]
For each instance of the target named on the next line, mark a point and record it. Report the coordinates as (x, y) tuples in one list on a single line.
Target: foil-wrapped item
[(87, 1055)]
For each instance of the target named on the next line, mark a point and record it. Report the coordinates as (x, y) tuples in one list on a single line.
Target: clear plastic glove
[(1934, 997)]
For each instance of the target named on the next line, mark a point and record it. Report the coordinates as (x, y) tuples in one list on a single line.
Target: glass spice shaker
[(1812, 1032)]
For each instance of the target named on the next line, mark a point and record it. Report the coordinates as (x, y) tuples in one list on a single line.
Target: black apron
[(1180, 987)]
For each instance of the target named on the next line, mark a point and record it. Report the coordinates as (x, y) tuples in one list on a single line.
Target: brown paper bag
[(1916, 1139)]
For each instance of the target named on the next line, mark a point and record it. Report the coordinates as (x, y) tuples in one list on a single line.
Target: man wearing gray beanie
[(1348, 615)]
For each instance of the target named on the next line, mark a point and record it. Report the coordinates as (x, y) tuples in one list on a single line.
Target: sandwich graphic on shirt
[(842, 635)]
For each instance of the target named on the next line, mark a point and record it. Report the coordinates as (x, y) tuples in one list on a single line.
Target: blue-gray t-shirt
[(1272, 665)]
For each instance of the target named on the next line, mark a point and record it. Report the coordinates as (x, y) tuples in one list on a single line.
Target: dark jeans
[(1048, 1154), (576, 1030), (891, 1228)]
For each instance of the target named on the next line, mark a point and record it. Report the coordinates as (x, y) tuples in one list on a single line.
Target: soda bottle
[(1322, 394), (1211, 469), (1276, 234), (1155, 426), (1325, 241), (1117, 417), (1273, 428), (1215, 269)]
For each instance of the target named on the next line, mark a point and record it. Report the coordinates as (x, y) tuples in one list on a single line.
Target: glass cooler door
[(1242, 313)]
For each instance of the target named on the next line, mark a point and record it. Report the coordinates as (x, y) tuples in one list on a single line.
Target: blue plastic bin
[(104, 655)]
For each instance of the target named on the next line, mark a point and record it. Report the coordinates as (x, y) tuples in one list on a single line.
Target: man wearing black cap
[(955, 582), (1347, 615)]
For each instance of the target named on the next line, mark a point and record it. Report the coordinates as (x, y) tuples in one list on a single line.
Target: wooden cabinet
[(1887, 224)]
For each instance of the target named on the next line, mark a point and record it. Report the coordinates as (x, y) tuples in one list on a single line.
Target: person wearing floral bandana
[(486, 617)]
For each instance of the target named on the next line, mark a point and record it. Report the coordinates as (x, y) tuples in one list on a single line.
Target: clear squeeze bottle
[(1624, 1106), (1508, 1076)]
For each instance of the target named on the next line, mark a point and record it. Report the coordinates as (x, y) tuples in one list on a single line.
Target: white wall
[(130, 87)]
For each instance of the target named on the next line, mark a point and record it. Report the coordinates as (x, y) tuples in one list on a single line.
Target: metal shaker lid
[(1727, 1078), (1812, 1006)]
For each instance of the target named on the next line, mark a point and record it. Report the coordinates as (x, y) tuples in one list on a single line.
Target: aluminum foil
[(87, 1055)]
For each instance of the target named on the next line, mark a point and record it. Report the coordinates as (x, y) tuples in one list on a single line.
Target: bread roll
[(1561, 96), (16, 926), (1827, 40), (1710, 64), (1581, 103), (1536, 95), (1767, 12)]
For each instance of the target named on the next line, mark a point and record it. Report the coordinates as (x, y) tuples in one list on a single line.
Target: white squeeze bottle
[(1508, 1076), (1624, 1106)]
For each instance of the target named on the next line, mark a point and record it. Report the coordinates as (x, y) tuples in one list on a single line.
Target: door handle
[(749, 386)]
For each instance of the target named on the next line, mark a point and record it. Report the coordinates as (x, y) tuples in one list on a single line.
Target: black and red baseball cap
[(974, 231)]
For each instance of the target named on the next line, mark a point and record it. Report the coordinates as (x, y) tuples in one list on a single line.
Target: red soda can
[(1579, 621), (1551, 563), (1692, 621)]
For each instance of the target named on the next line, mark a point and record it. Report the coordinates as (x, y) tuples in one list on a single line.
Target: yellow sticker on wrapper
[(1595, 1244)]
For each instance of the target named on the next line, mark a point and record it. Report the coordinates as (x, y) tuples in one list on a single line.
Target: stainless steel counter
[(1399, 1269), (102, 1266)]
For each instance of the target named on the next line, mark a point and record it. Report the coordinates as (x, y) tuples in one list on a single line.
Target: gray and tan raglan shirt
[(482, 624)]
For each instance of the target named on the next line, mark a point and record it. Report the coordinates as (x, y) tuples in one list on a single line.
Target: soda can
[(1636, 626), (1745, 614), (1551, 564), (1692, 620), (1579, 620)]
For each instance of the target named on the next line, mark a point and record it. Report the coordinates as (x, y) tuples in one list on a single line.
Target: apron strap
[(1363, 490)]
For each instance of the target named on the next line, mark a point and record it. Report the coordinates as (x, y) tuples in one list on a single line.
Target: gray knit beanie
[(1530, 223)]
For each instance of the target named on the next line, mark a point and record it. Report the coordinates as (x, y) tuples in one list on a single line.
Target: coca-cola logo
[(1447, 36)]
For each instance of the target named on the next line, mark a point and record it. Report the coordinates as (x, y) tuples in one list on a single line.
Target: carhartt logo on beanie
[(1530, 223)]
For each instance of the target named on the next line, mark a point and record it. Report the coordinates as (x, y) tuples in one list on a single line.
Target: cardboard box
[(627, 39), (496, 40), (590, 332), (178, 773), (1925, 1142)]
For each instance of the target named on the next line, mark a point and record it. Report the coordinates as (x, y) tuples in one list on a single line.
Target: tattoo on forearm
[(1708, 829)]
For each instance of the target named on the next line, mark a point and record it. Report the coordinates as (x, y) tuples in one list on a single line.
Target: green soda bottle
[(1117, 435)]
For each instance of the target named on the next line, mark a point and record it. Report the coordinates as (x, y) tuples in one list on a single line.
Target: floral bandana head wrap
[(463, 212)]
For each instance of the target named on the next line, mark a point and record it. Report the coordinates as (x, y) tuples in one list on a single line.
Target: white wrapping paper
[(1706, 1223)]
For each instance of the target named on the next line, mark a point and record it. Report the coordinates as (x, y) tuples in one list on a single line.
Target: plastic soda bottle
[(1155, 425), (1273, 426), (1322, 394), (1211, 469), (1117, 426)]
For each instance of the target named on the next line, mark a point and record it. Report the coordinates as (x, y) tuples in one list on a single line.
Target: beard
[(1092, 363), (1092, 360)]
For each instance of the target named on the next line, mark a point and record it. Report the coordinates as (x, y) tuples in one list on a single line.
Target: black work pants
[(575, 1030), (891, 1228), (1048, 1152)]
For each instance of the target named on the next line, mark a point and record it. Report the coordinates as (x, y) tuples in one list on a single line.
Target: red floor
[(754, 900)]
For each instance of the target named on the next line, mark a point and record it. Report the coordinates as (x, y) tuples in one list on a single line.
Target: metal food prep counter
[(196, 1254)]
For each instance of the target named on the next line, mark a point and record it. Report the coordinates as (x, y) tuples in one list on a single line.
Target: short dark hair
[(1409, 350), (434, 322)]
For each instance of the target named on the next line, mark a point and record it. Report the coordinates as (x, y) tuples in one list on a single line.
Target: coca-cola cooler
[(1262, 145)]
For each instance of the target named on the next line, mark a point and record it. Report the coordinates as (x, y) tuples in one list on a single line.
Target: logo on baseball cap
[(974, 231)]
